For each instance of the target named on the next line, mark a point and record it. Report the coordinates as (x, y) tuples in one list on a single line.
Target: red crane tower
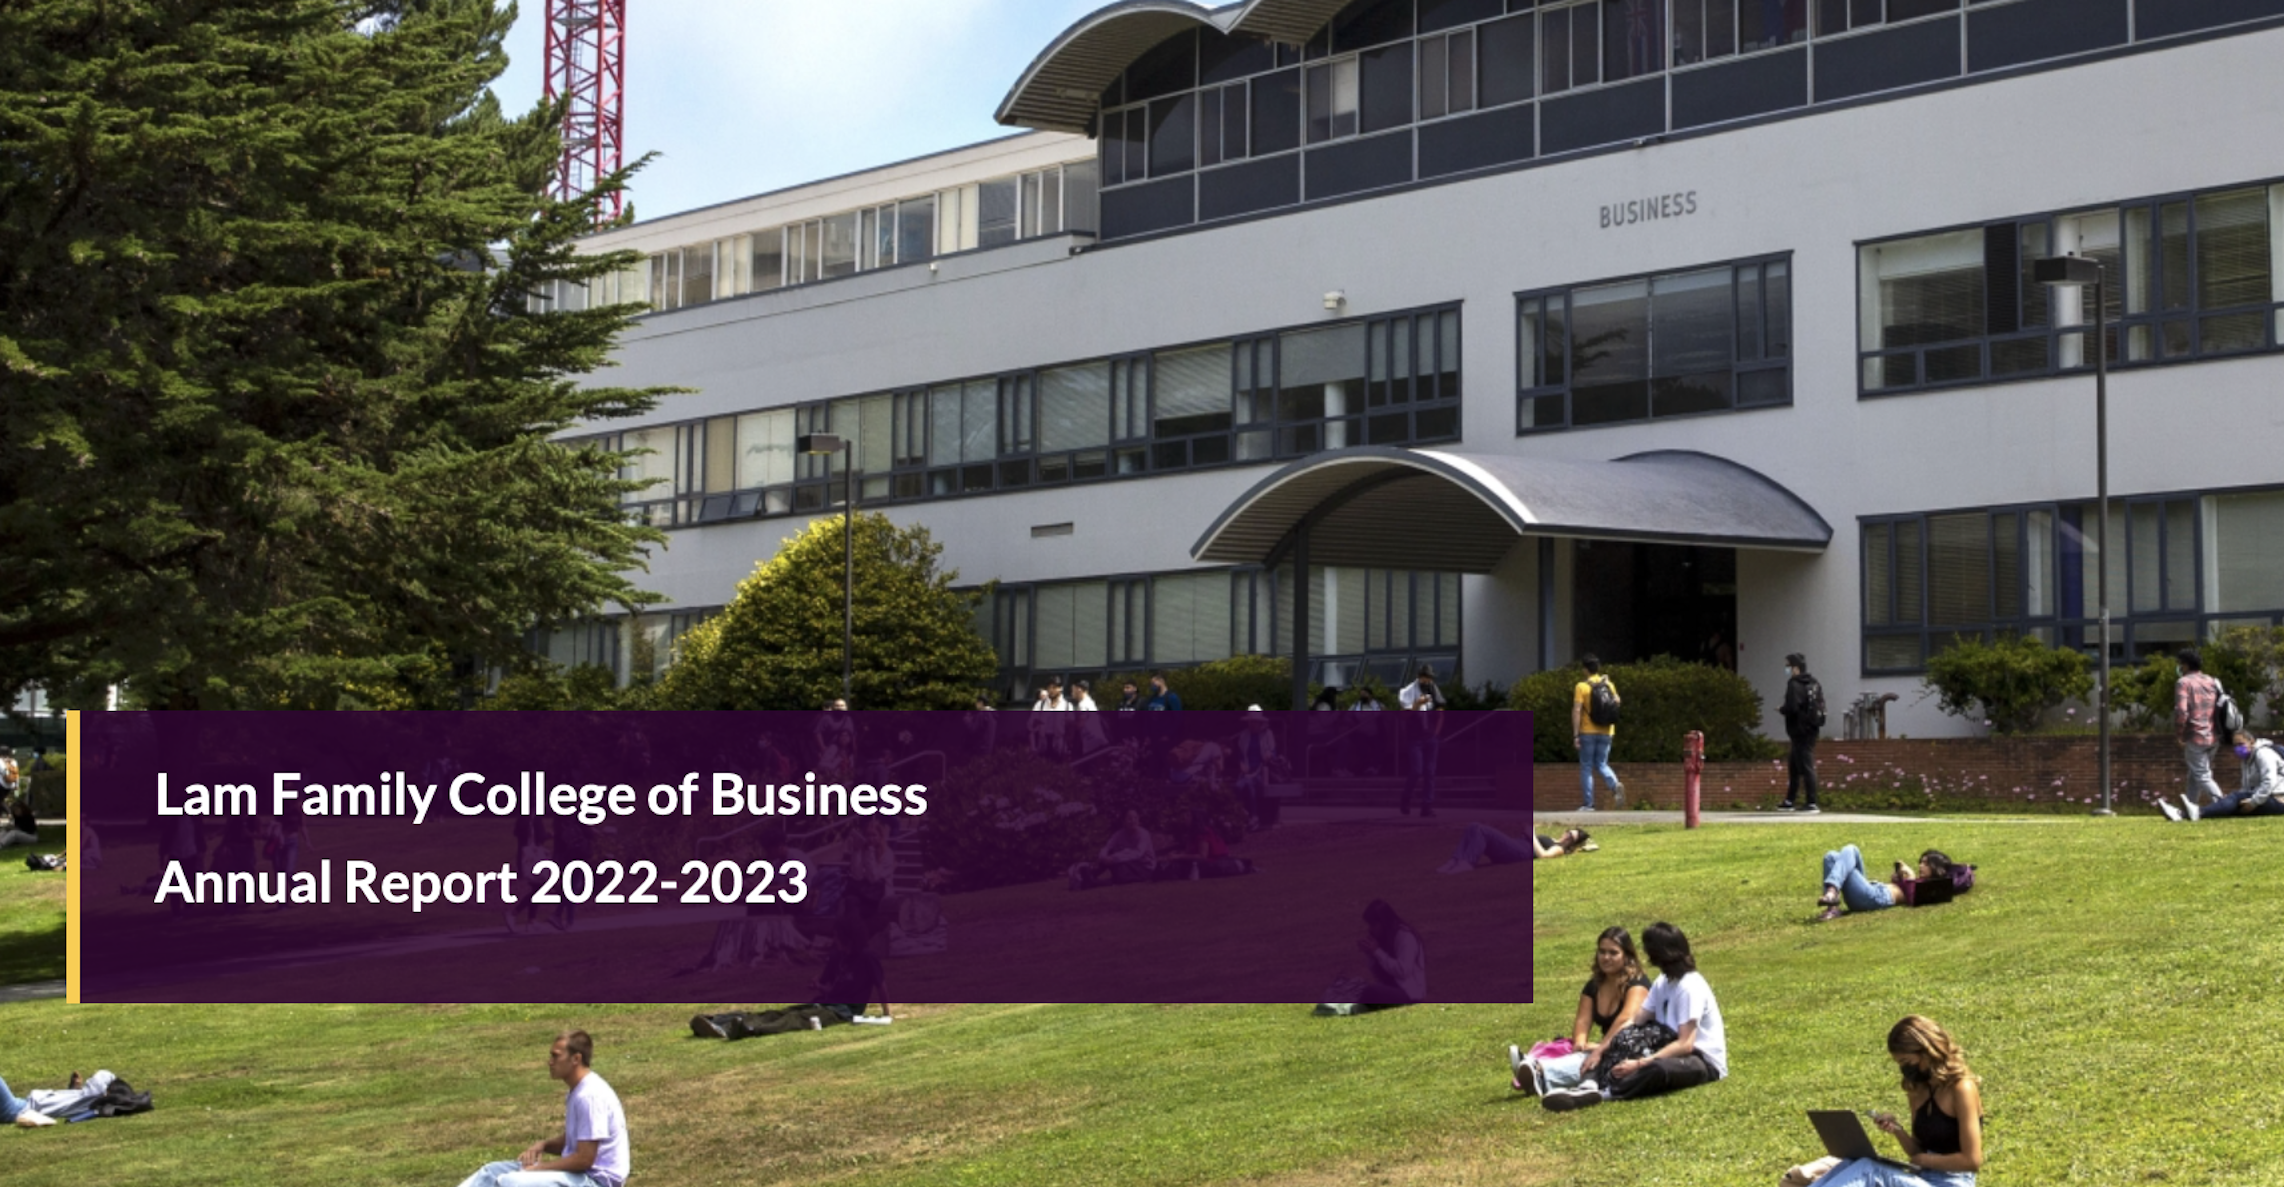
[(586, 61)]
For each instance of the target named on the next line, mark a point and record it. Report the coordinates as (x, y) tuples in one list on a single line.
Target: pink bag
[(1552, 1049)]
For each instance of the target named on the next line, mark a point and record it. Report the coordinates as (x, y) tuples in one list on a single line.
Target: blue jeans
[(1482, 840), (1425, 754), (1845, 869), (2232, 804), (1593, 759), (1863, 1172), (10, 1105), (510, 1174)]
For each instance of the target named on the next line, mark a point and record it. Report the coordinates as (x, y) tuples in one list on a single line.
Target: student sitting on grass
[(2260, 790), (1483, 845), (847, 986), (1846, 884), (1201, 853), (591, 1150), (1682, 1002), (1613, 992), (1130, 855), (1398, 976), (22, 828), (1945, 1141)]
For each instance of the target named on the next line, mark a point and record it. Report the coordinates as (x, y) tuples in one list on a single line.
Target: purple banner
[(675, 857)]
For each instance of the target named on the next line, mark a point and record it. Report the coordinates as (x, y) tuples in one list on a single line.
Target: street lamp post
[(829, 444), (2074, 272)]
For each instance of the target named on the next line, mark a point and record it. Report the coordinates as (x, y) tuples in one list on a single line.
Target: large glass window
[(1333, 100), (2197, 276), (2179, 567), (1674, 344)]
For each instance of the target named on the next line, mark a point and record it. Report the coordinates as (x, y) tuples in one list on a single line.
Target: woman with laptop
[(1945, 1140)]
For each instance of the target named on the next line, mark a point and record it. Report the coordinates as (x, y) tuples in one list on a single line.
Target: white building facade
[(1520, 331)]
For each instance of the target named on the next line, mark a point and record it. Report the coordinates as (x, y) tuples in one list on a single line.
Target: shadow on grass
[(31, 956)]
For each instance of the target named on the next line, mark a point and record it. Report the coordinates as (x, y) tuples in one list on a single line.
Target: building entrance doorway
[(1630, 602)]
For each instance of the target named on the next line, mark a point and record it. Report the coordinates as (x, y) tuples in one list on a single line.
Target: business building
[(1502, 331)]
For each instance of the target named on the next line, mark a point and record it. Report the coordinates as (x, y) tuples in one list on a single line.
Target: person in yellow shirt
[(1593, 738)]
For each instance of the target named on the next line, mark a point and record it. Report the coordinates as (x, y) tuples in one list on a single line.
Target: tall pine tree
[(274, 404)]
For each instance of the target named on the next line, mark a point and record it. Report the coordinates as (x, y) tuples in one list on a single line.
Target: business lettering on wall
[(1652, 209)]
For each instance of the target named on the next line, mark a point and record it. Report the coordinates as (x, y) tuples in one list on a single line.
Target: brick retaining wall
[(2035, 770)]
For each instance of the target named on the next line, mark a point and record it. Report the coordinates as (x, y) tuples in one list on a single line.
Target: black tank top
[(1602, 1021), (1935, 1131)]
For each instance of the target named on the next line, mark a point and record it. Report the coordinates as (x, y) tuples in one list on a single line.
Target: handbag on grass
[(1638, 1041)]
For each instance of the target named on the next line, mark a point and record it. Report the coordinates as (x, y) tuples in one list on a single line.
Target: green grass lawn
[(31, 915), (2088, 976)]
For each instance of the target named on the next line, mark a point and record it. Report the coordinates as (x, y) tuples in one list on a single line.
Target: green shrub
[(1664, 699), (46, 789), (1234, 683), (2009, 684), (2249, 662), (586, 686), (2143, 695), (1013, 817)]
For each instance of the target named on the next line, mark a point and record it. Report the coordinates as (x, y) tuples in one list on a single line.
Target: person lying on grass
[(2260, 790), (1483, 845), (591, 1150), (15, 1110), (1945, 1141), (1681, 1004), (850, 981), (1615, 989), (1846, 884)]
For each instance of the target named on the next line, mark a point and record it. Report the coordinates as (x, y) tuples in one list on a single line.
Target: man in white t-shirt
[(1681, 1000), (591, 1150)]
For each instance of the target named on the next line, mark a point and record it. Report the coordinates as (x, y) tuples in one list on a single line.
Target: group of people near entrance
[(1634, 1037)]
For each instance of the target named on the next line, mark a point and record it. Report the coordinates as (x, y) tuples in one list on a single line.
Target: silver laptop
[(1844, 1136)]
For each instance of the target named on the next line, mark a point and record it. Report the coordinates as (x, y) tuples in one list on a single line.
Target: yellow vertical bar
[(74, 827)]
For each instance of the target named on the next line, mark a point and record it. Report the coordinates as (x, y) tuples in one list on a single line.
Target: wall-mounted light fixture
[(1335, 300)]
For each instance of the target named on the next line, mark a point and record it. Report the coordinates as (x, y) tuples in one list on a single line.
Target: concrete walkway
[(31, 991)]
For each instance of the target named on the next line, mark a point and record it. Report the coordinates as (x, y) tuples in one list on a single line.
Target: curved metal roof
[(1062, 87), (1384, 507)]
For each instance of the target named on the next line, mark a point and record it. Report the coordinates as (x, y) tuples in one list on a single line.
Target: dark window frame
[(1528, 389), (2150, 325)]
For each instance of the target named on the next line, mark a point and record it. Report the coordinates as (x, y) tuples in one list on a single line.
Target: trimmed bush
[(2009, 684), (1664, 699), (1013, 817)]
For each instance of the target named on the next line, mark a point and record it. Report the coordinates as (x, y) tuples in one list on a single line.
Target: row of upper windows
[(2199, 275), (1203, 98), (1389, 380), (2180, 568), (990, 213), (2187, 276)]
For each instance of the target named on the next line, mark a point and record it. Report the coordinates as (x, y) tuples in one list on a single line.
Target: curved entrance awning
[(1383, 507), (1060, 89)]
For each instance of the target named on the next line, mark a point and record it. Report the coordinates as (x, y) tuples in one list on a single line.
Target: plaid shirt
[(2193, 697)]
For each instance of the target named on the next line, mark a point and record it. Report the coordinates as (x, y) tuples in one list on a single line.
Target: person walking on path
[(2260, 791), (1803, 722), (591, 1150), (1593, 727), (2194, 695)]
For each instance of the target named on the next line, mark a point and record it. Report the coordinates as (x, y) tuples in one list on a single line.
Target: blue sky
[(738, 97)]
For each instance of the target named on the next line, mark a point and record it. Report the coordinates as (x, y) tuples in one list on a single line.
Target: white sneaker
[(2195, 812), (1454, 866), (1515, 1063), (31, 1120), (2171, 812)]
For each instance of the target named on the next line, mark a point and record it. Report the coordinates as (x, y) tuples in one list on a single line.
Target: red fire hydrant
[(1693, 773)]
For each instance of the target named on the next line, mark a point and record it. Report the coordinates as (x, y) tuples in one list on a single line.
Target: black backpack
[(1601, 702), (2228, 720), (1816, 701)]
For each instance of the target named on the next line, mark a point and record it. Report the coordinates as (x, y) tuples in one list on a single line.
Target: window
[(1633, 38), (1332, 100), (1507, 53), (1276, 113), (1839, 16), (1221, 124), (2196, 276), (1385, 83), (916, 229), (2180, 567), (995, 215), (1447, 74), (1708, 340)]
